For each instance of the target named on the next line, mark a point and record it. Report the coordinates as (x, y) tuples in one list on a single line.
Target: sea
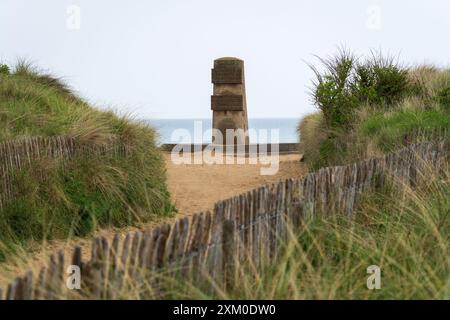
[(275, 130)]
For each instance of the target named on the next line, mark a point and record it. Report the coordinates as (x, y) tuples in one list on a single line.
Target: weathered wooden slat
[(114, 253), (28, 286), (77, 256), (149, 241), (161, 246), (126, 251), (228, 246), (39, 291), (205, 237), (135, 250)]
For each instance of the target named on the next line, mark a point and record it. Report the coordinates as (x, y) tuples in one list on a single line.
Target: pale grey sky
[(153, 58)]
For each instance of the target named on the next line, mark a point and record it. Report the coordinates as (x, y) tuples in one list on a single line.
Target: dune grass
[(57, 199), (403, 231), (386, 129), (421, 112)]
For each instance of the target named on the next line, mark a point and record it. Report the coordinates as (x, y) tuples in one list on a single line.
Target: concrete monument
[(228, 102)]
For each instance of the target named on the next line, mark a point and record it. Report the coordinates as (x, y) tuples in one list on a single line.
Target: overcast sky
[(153, 58)]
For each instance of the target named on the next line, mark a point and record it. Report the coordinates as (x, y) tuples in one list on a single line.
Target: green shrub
[(443, 97), (347, 84), (332, 88), (4, 69), (380, 81), (371, 106)]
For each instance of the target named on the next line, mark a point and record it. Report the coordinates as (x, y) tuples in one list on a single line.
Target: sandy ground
[(193, 187), (196, 188)]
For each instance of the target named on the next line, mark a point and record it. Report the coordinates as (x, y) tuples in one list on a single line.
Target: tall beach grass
[(403, 231), (56, 199)]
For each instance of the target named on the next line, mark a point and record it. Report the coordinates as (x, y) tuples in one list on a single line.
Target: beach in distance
[(287, 129)]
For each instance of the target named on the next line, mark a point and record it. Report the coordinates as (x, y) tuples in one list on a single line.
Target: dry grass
[(59, 199), (402, 230)]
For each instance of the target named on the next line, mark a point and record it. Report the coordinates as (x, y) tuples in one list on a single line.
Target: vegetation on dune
[(368, 107), (387, 129), (348, 82), (371, 106), (57, 199), (403, 231)]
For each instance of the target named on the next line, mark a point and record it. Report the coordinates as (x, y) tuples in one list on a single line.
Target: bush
[(4, 69), (380, 81), (332, 89), (346, 84)]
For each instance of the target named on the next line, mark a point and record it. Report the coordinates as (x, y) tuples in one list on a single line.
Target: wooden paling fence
[(250, 226), (23, 153)]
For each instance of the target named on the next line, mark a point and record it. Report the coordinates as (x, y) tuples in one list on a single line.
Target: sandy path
[(197, 187), (193, 188)]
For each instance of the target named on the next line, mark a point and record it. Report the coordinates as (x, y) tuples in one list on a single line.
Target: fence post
[(228, 247)]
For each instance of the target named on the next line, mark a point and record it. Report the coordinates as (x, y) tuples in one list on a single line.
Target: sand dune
[(193, 187)]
